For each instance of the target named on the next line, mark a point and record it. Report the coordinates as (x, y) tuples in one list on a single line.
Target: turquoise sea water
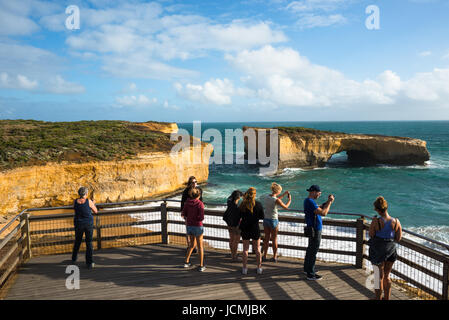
[(417, 195)]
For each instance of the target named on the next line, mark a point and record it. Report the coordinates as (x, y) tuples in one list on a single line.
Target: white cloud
[(26, 83), (139, 40), (285, 78), (16, 17), (29, 68), (20, 82), (135, 101), (28, 60), (58, 85), (390, 82), (214, 91), (429, 86), (192, 40), (12, 24), (139, 65), (313, 5), (316, 13), (313, 21), (53, 84), (181, 38), (168, 105), (130, 87), (425, 53)]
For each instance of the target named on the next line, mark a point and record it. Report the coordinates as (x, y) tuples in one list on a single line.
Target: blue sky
[(253, 60)]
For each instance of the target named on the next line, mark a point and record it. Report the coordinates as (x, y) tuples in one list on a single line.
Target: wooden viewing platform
[(156, 272), (140, 245)]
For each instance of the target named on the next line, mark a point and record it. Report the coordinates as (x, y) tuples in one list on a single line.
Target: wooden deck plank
[(156, 272)]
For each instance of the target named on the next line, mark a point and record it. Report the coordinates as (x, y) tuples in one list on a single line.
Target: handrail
[(12, 221), (109, 204), (359, 226)]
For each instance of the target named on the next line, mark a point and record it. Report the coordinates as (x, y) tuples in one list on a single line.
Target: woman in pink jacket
[(193, 213)]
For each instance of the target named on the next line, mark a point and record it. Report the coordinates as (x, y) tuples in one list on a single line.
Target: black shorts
[(393, 257), (251, 234)]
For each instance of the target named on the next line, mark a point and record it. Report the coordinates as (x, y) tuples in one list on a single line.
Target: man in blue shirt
[(313, 214)]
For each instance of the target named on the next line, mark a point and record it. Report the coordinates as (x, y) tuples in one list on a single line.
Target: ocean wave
[(437, 164), (291, 172), (427, 165), (438, 233)]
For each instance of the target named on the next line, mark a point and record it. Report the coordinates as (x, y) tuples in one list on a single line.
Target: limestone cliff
[(308, 148), (146, 176), (140, 176), (163, 127)]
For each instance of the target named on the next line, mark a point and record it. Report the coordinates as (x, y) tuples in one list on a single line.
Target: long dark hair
[(236, 194)]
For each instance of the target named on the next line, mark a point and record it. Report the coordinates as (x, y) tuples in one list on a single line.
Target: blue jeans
[(82, 228), (311, 252)]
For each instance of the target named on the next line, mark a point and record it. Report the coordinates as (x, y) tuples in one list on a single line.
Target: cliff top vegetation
[(31, 142)]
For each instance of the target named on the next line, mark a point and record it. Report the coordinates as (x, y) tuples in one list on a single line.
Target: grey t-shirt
[(269, 204)]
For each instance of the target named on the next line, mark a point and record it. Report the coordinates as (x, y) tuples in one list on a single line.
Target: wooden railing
[(117, 225)]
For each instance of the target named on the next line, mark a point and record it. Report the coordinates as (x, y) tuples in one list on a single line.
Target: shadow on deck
[(156, 272)]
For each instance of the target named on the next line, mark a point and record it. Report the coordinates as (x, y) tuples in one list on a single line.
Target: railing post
[(164, 229), (360, 246), (98, 228), (26, 233), (445, 279)]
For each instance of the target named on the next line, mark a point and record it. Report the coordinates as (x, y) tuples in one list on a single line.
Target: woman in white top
[(271, 221)]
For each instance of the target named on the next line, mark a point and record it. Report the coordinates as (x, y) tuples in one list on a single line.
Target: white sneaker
[(259, 270), (202, 269), (244, 270)]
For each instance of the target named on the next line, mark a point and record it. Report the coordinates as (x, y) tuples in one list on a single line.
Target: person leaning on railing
[(384, 232), (271, 202), (251, 211), (313, 214), (232, 219), (84, 224)]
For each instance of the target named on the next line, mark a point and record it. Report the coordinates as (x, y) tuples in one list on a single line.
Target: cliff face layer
[(308, 148), (139, 176), (148, 175)]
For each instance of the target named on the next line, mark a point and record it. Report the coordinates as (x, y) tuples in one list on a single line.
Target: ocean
[(417, 195)]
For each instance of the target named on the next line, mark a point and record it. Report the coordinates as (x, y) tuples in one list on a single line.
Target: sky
[(224, 61)]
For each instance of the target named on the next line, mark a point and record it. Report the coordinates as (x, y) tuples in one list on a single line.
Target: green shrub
[(25, 142)]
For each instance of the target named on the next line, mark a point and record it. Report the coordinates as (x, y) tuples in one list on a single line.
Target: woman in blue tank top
[(384, 233), (84, 225)]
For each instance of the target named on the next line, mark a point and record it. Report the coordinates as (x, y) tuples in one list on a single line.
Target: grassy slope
[(30, 142)]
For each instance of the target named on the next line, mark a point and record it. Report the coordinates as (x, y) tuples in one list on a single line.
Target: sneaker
[(259, 270), (187, 265), (314, 277), (91, 266), (202, 268), (244, 270)]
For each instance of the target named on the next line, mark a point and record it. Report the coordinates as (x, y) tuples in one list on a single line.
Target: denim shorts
[(195, 231), (270, 223)]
